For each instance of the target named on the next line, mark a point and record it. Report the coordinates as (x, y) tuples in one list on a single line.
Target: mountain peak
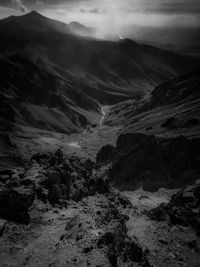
[(34, 13)]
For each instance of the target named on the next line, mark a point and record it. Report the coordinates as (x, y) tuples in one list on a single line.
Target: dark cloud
[(164, 6)]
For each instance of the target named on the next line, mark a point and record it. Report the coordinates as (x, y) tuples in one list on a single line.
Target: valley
[(99, 149)]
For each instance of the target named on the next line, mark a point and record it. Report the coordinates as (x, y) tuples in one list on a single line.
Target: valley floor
[(24, 141)]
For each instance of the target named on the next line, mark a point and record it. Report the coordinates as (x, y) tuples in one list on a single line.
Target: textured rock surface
[(155, 162), (183, 209)]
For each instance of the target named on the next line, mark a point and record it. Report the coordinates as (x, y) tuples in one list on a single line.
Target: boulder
[(114, 236), (105, 154), (53, 178), (102, 185), (15, 202), (78, 190), (134, 252), (183, 209)]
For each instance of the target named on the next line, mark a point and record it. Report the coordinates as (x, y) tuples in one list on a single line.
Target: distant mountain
[(172, 109), (34, 21), (122, 69), (79, 29), (183, 40)]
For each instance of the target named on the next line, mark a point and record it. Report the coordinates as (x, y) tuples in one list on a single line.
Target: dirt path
[(104, 111)]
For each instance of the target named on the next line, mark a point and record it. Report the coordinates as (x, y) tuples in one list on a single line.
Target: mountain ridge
[(122, 65)]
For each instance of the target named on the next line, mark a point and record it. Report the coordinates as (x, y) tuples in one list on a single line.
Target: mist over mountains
[(105, 72)]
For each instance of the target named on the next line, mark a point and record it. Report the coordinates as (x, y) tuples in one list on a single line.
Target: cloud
[(19, 4), (60, 11), (94, 10)]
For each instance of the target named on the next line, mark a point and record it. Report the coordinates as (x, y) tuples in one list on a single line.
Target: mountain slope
[(121, 67), (159, 141), (32, 96), (172, 109), (34, 21)]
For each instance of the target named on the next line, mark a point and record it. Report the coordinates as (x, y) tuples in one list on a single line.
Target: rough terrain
[(99, 149)]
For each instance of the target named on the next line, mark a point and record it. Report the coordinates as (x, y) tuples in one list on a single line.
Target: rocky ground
[(63, 211)]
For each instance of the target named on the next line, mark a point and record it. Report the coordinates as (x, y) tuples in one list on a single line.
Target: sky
[(110, 15)]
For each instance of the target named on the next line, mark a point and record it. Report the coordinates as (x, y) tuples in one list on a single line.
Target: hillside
[(122, 67), (171, 110), (159, 137)]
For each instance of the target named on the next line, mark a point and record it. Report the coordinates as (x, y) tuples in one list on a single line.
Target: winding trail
[(103, 111), (77, 144)]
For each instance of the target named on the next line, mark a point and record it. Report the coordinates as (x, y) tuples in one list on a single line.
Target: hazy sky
[(111, 14)]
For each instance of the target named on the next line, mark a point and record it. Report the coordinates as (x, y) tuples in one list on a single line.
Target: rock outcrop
[(153, 162), (183, 209), (50, 177)]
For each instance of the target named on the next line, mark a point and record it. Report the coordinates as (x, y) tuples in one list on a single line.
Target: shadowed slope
[(121, 67)]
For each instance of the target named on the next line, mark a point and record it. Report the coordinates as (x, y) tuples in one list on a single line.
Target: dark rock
[(89, 164), (105, 154), (125, 202), (2, 226), (185, 197), (42, 194), (197, 191), (114, 237), (59, 154), (64, 190), (55, 194), (183, 209), (112, 258), (135, 252), (154, 162), (78, 190), (65, 177), (14, 204), (106, 239), (160, 214), (53, 178), (102, 185), (87, 249)]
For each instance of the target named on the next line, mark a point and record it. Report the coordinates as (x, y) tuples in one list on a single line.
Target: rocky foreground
[(63, 211)]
